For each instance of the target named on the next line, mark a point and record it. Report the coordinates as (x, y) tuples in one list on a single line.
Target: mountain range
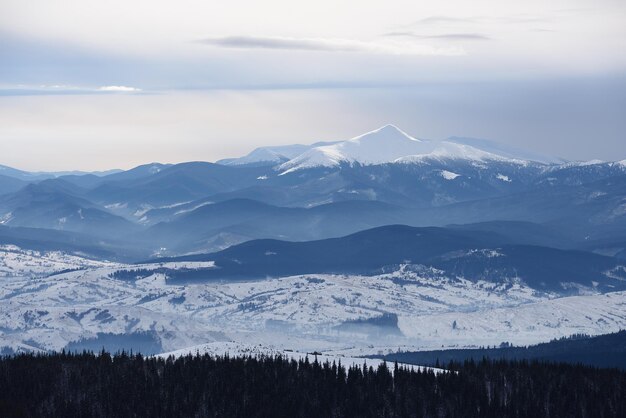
[(321, 191), (359, 246)]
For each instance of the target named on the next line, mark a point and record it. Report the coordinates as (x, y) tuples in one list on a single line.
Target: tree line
[(131, 385), (608, 350)]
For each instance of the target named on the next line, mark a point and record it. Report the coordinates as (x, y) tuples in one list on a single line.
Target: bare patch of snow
[(191, 209), (448, 175), (117, 205), (6, 218), (143, 209)]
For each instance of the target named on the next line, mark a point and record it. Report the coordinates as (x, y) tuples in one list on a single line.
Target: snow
[(591, 162), (16, 262), (234, 349), (507, 151), (385, 145), (448, 175), (117, 205), (191, 209), (144, 208), (485, 253), (581, 163), (6, 218), (544, 320), (298, 313), (275, 154)]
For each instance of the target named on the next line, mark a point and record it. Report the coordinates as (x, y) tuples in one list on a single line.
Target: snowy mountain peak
[(387, 133), (385, 145), (382, 145)]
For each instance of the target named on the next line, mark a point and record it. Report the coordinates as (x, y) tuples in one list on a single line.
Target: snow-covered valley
[(412, 308)]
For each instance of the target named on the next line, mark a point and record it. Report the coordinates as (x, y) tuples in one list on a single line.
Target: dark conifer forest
[(126, 385), (608, 350)]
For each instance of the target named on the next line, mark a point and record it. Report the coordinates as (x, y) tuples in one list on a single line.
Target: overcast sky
[(112, 84)]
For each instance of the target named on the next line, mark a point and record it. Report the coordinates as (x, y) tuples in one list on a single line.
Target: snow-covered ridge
[(18, 262), (275, 154), (581, 163), (388, 144), (272, 154)]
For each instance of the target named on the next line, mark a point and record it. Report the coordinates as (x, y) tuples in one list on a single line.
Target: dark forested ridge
[(453, 250), (608, 350), (88, 385)]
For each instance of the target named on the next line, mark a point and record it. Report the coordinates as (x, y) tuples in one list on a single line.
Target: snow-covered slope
[(276, 154), (18, 262), (385, 145), (272, 154), (234, 349), (506, 151), (301, 313)]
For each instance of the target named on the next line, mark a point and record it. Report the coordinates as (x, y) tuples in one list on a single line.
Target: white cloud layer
[(103, 131), (545, 74), (119, 89), (61, 89)]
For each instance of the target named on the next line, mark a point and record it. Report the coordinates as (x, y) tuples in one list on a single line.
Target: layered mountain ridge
[(325, 190), (380, 239)]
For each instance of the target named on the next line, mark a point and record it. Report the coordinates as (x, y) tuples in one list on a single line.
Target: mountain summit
[(384, 145), (388, 144)]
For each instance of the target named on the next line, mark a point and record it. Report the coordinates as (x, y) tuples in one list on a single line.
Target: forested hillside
[(88, 385), (601, 351)]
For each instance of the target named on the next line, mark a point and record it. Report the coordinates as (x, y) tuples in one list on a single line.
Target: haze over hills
[(42, 175), (318, 244), (301, 192)]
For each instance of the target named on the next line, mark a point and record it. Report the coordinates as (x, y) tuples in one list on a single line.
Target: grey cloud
[(329, 45), (519, 18), (460, 36), (444, 36), (258, 42)]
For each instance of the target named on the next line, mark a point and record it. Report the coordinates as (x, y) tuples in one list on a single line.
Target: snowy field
[(234, 349), (299, 314), (16, 262)]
